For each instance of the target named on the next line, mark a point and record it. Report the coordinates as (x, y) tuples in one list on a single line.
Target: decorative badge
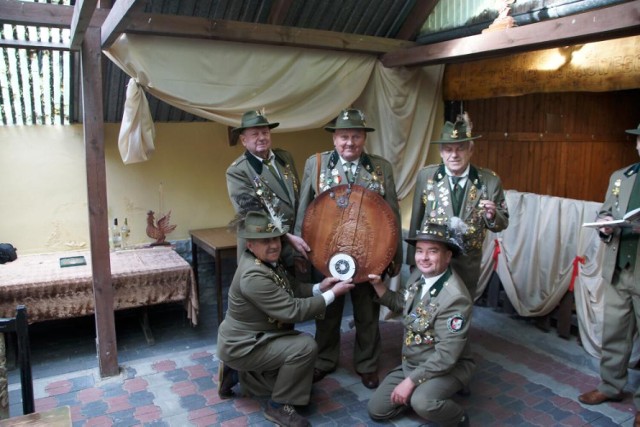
[(342, 266), (455, 322)]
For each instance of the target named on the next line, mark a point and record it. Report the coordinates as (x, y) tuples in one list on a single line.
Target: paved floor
[(525, 377)]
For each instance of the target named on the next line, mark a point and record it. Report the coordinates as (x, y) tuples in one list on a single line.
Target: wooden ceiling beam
[(118, 19), (180, 26), (42, 14), (602, 24), (82, 13), (416, 19)]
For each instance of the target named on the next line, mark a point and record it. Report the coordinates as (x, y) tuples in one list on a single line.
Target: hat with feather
[(460, 131), (350, 118), (448, 234), (254, 119), (253, 222)]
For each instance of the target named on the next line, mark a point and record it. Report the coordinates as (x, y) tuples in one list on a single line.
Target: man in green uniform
[(436, 358), (622, 295), (257, 337), (349, 163), (456, 188), (263, 176)]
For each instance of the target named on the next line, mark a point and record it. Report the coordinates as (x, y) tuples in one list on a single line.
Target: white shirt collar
[(465, 174), (429, 282), (269, 157)]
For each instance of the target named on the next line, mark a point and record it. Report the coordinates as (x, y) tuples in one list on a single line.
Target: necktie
[(418, 296), (457, 193), (348, 172), (274, 172)]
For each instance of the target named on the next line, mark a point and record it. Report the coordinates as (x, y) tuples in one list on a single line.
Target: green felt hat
[(634, 131), (460, 131), (254, 119), (350, 118), (259, 225), (434, 232)]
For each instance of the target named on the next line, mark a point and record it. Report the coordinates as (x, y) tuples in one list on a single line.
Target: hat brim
[(455, 141), (455, 249), (333, 128), (633, 131), (253, 235), (269, 125)]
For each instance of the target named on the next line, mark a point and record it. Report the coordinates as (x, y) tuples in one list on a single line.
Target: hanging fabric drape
[(300, 88), (542, 253)]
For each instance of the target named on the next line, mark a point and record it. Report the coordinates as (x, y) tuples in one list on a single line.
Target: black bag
[(7, 253)]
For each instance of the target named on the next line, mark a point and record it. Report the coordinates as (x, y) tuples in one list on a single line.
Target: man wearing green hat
[(348, 163), (621, 302), (456, 188), (436, 356), (257, 337), (263, 176)]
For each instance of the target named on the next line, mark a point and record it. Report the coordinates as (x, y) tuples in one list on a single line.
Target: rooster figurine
[(160, 229)]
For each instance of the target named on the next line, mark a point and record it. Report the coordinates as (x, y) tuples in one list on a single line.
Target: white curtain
[(300, 88), (544, 247)]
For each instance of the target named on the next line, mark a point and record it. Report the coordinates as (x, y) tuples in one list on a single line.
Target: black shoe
[(285, 416), (319, 374), (227, 378), (464, 391), (370, 379)]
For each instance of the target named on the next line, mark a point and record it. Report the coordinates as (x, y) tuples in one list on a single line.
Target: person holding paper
[(621, 297)]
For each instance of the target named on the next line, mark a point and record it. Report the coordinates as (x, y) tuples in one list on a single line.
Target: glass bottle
[(124, 234), (116, 237)]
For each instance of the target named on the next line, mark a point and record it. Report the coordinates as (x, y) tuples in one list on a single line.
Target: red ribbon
[(496, 252), (576, 270)]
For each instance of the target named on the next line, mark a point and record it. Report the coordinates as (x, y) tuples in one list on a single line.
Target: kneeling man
[(436, 358), (257, 337)]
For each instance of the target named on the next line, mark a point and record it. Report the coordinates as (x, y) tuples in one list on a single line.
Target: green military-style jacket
[(616, 204), (432, 202), (247, 176), (374, 173), (436, 328), (263, 305)]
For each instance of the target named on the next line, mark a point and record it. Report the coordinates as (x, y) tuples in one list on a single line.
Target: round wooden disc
[(354, 221)]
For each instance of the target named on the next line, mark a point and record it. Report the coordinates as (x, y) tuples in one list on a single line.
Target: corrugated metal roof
[(35, 85), (42, 86)]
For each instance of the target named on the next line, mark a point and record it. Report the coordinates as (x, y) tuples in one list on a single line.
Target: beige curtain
[(401, 104), (300, 88), (538, 254)]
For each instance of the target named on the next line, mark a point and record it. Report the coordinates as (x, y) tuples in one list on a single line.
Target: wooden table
[(56, 417), (140, 278), (215, 242)]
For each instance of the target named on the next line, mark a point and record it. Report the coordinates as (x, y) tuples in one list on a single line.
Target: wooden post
[(90, 58)]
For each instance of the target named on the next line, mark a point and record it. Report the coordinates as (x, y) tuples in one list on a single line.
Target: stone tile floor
[(525, 377)]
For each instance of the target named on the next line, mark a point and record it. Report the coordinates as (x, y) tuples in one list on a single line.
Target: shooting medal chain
[(343, 200)]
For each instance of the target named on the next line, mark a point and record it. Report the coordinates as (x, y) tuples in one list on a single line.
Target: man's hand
[(338, 287), (378, 284), (299, 244), (402, 392), (489, 208), (607, 231)]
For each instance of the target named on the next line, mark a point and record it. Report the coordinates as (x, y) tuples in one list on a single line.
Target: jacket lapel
[(268, 180)]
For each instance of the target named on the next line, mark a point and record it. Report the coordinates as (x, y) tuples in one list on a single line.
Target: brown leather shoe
[(595, 397), (636, 422), (370, 379)]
